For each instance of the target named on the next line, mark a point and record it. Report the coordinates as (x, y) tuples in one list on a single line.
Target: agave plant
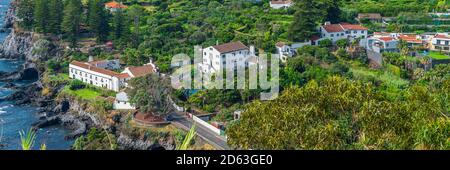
[(27, 139), (187, 140)]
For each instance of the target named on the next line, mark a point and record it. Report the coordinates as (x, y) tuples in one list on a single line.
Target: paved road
[(181, 121)]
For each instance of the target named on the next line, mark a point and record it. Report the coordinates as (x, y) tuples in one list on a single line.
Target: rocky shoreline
[(66, 112)]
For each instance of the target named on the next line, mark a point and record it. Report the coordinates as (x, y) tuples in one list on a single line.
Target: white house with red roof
[(113, 6), (380, 44), (336, 32), (231, 55), (281, 4), (440, 42), (95, 73)]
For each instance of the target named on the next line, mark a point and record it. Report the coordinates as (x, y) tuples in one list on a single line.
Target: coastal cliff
[(55, 108)]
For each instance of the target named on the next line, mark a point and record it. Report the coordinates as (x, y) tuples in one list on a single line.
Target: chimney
[(217, 42), (91, 59), (327, 23), (252, 50)]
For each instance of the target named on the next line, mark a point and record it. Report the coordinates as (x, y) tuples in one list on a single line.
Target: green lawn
[(86, 93), (438, 56)]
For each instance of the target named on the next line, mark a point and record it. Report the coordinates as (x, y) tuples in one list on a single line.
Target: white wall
[(94, 78), (123, 106), (213, 60)]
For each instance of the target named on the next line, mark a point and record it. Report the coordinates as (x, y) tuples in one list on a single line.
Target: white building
[(215, 58), (122, 102), (440, 42), (288, 50), (382, 44), (336, 32), (91, 73), (281, 4)]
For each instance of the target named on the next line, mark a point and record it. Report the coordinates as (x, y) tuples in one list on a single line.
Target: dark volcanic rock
[(47, 122)]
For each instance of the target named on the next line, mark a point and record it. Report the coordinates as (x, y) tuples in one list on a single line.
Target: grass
[(86, 93), (389, 76), (438, 56)]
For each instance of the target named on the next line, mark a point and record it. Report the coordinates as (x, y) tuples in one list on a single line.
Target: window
[(355, 32), (438, 41), (223, 56), (342, 34), (332, 35), (362, 32), (347, 32)]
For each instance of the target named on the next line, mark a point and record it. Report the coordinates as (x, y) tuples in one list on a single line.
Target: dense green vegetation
[(331, 98)]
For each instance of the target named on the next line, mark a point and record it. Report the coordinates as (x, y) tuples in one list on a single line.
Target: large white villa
[(96, 73), (340, 31), (216, 57)]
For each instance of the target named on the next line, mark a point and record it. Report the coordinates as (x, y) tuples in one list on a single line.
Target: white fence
[(205, 124), (196, 119)]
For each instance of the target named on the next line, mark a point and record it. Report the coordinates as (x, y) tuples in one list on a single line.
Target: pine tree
[(71, 21), (119, 25), (55, 16), (98, 20), (25, 10), (40, 16), (333, 12), (305, 18)]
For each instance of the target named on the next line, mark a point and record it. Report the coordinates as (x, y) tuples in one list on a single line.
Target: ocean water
[(16, 118)]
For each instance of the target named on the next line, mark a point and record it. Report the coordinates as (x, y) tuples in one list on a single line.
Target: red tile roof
[(93, 68), (333, 28), (442, 36), (230, 47), (314, 38), (141, 70), (98, 70), (348, 26), (114, 4), (123, 75), (386, 39), (409, 38)]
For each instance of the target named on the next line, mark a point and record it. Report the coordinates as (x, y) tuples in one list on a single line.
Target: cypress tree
[(71, 21), (98, 20), (55, 16), (40, 16)]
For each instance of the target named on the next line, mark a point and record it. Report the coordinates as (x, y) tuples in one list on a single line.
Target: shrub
[(76, 84)]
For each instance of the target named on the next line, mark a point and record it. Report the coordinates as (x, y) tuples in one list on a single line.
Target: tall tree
[(151, 94), (119, 25), (25, 10), (305, 17), (333, 12), (40, 16), (55, 10), (98, 20), (71, 21)]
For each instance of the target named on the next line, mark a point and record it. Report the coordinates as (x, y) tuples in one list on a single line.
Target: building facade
[(226, 56), (440, 42), (94, 74), (340, 31)]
